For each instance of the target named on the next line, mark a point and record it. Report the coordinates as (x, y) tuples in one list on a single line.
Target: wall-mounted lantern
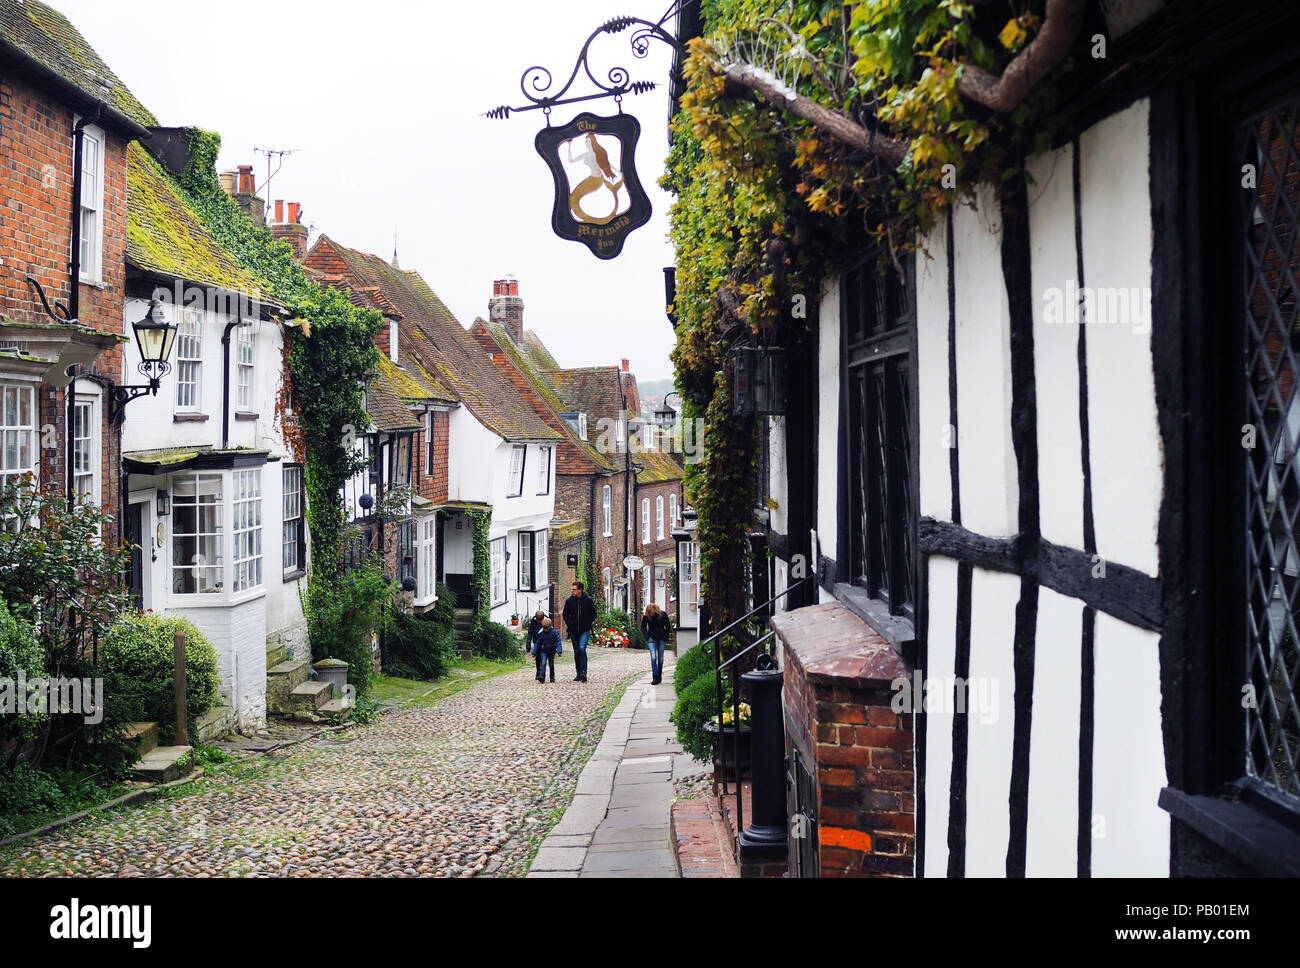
[(670, 294), (758, 382), (163, 504), (154, 337)]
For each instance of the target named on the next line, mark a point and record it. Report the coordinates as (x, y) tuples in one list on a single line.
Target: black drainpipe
[(74, 283), (225, 382)]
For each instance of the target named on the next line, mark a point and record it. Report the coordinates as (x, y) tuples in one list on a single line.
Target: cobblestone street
[(470, 785)]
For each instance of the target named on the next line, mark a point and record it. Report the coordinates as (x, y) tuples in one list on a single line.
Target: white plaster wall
[(1051, 848), (941, 647), (1053, 269), (469, 474), (989, 491), (991, 720), (238, 634), (937, 437), (828, 416), (779, 475), (1124, 436), (1130, 832), (529, 511)]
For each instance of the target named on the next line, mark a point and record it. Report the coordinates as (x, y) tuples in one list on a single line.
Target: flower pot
[(725, 747)]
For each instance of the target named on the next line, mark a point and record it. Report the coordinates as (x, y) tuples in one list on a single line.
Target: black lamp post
[(666, 416), (154, 337)]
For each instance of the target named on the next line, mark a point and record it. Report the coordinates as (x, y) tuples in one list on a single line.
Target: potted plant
[(514, 619), (731, 739)]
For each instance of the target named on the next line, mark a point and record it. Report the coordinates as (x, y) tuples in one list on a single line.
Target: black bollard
[(766, 832)]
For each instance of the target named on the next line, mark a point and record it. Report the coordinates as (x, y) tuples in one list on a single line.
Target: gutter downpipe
[(225, 381)]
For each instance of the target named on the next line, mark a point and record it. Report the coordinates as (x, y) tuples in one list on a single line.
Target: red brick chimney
[(625, 366), (291, 230), (507, 308), (244, 192)]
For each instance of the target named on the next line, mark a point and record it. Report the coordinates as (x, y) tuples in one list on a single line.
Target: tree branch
[(836, 124), (1060, 28)]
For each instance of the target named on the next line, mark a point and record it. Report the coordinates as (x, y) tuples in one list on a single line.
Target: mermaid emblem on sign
[(598, 197), (601, 177)]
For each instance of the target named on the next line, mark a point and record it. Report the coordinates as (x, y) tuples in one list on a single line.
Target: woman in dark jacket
[(657, 627)]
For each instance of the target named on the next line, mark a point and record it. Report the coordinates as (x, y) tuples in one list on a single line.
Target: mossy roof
[(49, 38), (568, 531), (409, 382), (165, 236), (656, 467)]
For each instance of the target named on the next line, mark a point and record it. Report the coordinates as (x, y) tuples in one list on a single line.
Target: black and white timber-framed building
[(1085, 521)]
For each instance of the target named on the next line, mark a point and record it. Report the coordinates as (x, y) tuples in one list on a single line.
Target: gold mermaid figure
[(601, 174)]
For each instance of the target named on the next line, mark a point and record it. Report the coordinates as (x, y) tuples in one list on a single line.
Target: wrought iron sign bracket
[(537, 82), (121, 396)]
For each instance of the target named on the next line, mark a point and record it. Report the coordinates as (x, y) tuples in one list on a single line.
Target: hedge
[(695, 662), (137, 654)]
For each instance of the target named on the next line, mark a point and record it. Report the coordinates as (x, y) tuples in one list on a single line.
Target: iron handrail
[(718, 666)]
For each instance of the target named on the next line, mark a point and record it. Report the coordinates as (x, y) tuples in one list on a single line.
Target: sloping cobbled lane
[(467, 786)]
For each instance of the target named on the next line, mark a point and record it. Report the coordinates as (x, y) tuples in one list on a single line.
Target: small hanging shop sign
[(599, 200)]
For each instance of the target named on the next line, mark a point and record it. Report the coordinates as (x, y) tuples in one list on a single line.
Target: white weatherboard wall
[(469, 475), (1054, 272), (238, 634), (828, 416), (989, 491), (1124, 435), (1051, 841), (941, 650), (1130, 832), (991, 720)]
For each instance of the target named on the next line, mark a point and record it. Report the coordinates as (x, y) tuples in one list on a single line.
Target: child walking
[(547, 645)]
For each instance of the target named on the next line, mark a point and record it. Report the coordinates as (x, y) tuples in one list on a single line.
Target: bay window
[(216, 526), (247, 487)]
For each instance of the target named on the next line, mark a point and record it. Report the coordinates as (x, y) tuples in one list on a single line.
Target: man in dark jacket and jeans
[(579, 616)]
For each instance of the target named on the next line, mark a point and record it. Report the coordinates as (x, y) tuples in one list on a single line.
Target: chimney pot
[(246, 186), (625, 366), (279, 210), (295, 213)]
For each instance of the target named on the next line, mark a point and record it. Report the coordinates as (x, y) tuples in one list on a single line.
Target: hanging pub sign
[(599, 200)]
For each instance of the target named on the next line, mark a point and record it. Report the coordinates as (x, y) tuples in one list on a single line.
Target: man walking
[(579, 616)]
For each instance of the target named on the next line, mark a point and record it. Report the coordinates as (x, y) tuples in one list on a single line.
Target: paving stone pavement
[(619, 822), (463, 787)]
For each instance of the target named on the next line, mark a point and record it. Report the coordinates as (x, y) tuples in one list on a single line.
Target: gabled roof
[(575, 455), (165, 236), (656, 467), (387, 411), (39, 39), (442, 353)]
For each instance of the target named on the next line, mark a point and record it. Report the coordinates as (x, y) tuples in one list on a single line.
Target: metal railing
[(712, 646)]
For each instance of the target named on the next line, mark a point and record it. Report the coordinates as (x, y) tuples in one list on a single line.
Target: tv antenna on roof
[(278, 154)]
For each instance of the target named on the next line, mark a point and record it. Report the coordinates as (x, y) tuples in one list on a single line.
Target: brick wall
[(434, 487), (837, 701), (36, 232)]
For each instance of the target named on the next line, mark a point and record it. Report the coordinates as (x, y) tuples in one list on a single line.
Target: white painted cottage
[(212, 486)]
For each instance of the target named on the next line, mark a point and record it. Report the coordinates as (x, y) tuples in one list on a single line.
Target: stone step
[(310, 696), (340, 705), (281, 680), (275, 655), (163, 765), (146, 733)]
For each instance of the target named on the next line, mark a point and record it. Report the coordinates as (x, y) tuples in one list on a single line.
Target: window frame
[(535, 577), (430, 465), (91, 270), (246, 521), (299, 541), (426, 576), (18, 429), (607, 510), (186, 315), (497, 564), (93, 449), (245, 365), (659, 517), (645, 521), (544, 470), (673, 510), (515, 478), (879, 545)]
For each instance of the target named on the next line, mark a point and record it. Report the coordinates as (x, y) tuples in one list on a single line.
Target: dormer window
[(392, 340)]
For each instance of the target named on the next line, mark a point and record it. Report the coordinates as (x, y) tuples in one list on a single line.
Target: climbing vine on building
[(331, 356), (811, 132), (480, 531)]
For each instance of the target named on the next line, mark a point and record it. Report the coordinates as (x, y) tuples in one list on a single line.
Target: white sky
[(383, 98)]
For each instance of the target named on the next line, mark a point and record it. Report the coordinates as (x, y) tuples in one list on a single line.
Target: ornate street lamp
[(666, 415), (154, 337), (758, 382)]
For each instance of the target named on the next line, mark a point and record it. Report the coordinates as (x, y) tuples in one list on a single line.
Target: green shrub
[(690, 666), (31, 797), (19, 651), (696, 705), (417, 647), (137, 654), (341, 613), (495, 641), (444, 609)]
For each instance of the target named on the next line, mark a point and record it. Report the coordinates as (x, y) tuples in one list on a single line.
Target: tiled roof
[(164, 235), (575, 455), (537, 351), (50, 39), (441, 349), (593, 390), (387, 411), (656, 467)]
